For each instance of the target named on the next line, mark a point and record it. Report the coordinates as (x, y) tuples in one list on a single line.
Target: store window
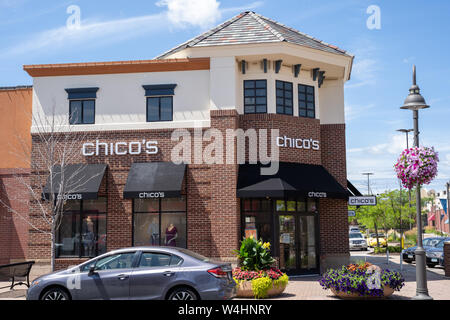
[(306, 101), (160, 222), (255, 96), (82, 232), (257, 219), (284, 97)]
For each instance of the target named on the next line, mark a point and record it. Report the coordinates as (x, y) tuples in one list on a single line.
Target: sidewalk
[(308, 288)]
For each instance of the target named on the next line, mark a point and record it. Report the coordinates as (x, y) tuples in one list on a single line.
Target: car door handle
[(122, 277), (168, 273)]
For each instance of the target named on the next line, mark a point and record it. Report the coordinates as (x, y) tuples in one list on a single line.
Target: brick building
[(251, 75), (15, 143)]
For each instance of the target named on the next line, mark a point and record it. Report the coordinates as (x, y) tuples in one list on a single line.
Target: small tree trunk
[(52, 246), (376, 232)]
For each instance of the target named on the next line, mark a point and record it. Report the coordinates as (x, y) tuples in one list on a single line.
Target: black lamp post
[(416, 102)]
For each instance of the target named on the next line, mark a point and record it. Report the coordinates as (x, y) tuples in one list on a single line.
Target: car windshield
[(356, 235), (193, 255), (441, 243)]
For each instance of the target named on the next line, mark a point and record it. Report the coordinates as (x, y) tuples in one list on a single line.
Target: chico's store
[(131, 192)]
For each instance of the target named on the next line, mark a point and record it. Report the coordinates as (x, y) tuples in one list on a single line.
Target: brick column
[(334, 246), (225, 213), (447, 259)]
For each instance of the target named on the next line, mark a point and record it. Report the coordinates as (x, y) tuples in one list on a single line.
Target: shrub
[(392, 249), (262, 281), (254, 255), (362, 280)]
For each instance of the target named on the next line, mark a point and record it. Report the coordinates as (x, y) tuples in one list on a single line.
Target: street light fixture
[(416, 102)]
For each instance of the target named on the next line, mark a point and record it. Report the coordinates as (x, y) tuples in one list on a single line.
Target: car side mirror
[(91, 270)]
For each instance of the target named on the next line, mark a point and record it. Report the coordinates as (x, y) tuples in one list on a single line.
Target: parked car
[(356, 241), (353, 229), (372, 240), (408, 254), (139, 273), (434, 254)]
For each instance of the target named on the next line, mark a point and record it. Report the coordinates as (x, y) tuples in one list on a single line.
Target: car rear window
[(193, 255)]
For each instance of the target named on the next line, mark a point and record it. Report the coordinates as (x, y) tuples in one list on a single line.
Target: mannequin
[(171, 235)]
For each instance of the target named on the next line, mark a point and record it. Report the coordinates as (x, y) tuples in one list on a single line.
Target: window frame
[(255, 96), (80, 214), (159, 108), (82, 111), (284, 97), (160, 212), (306, 101)]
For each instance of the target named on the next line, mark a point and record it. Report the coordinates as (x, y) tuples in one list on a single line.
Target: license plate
[(433, 260), (410, 256)]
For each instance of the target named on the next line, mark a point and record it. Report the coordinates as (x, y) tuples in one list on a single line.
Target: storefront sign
[(307, 144), (317, 194), (362, 201), (119, 148), (74, 196), (151, 195)]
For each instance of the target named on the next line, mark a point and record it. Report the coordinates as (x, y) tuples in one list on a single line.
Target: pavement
[(308, 288)]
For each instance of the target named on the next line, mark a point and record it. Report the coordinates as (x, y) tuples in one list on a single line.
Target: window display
[(82, 232), (160, 222)]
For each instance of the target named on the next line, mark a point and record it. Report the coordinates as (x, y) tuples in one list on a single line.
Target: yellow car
[(372, 240)]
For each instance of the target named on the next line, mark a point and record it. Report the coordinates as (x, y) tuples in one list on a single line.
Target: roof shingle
[(249, 27)]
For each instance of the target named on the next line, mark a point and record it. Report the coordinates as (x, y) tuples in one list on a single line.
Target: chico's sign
[(119, 148), (297, 143)]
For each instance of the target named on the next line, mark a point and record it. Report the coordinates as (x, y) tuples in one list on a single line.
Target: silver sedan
[(139, 273)]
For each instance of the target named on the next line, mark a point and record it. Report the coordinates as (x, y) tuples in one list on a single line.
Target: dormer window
[(82, 105), (284, 97), (255, 96)]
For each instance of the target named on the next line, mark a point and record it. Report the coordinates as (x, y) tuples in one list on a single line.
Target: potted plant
[(255, 276), (362, 281)]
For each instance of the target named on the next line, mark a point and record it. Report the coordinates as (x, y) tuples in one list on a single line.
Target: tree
[(55, 145)]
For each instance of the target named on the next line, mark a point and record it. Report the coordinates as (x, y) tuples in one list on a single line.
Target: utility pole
[(368, 174), (406, 132)]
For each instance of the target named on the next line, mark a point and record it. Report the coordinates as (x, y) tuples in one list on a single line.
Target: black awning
[(80, 181), (154, 180), (292, 179), (352, 191)]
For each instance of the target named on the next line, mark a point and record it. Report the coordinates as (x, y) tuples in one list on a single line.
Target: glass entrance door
[(297, 244)]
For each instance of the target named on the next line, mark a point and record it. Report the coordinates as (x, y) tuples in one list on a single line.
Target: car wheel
[(182, 294), (431, 265), (408, 261), (55, 294)]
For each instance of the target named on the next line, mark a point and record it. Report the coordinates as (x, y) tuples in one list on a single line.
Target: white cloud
[(179, 13), (353, 112), (363, 72), (198, 13)]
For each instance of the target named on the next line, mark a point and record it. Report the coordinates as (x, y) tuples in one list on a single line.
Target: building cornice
[(114, 67)]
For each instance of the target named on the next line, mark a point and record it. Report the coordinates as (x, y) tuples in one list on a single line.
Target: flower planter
[(387, 292), (244, 290)]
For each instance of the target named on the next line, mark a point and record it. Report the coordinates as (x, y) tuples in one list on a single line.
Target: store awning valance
[(154, 180), (352, 191), (291, 180), (79, 181)]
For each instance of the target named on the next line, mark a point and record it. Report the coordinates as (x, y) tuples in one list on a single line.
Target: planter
[(244, 290), (387, 292)]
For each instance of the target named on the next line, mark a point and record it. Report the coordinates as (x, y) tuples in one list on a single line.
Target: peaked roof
[(249, 28)]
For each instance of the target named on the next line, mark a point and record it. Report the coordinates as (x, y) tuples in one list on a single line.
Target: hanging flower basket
[(417, 165)]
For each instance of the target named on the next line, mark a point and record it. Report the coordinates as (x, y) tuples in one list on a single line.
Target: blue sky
[(412, 32)]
